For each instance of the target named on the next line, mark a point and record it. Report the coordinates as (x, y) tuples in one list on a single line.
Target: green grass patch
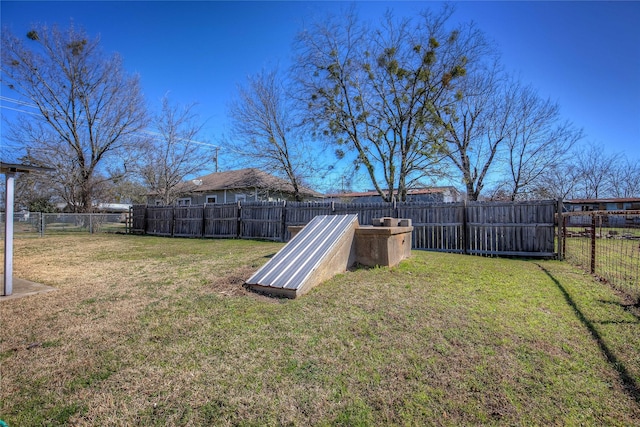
[(617, 260), (152, 331)]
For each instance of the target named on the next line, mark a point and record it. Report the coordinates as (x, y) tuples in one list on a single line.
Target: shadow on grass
[(632, 309), (630, 385)]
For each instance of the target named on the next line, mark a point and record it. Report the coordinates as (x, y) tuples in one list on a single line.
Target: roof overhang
[(15, 168)]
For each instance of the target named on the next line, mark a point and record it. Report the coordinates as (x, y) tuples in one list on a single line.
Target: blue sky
[(584, 55)]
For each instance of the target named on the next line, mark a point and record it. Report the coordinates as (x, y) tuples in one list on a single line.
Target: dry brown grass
[(83, 332), (152, 331)]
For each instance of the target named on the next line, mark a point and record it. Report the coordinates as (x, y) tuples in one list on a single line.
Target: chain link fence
[(607, 244), (40, 224)]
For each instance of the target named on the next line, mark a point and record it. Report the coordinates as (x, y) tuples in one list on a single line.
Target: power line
[(158, 134), (145, 131), (17, 101), (33, 113)]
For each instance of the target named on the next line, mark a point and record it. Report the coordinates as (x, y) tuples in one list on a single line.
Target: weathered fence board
[(301, 213), (438, 227), (511, 228), (188, 221), (367, 212), (138, 216), (159, 221), (262, 220), (481, 228), (221, 220)]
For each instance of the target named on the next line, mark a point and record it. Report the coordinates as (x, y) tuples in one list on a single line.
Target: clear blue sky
[(584, 55)]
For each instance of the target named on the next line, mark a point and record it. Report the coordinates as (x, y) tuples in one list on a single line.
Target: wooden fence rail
[(482, 228)]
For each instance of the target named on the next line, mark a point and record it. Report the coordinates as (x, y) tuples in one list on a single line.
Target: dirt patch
[(233, 285)]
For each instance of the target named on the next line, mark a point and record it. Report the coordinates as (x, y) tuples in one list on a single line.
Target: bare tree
[(537, 141), (128, 189), (375, 91), (624, 178), (477, 125), (89, 110), (34, 191), (173, 152), (265, 132), (595, 167), (560, 181), (590, 172)]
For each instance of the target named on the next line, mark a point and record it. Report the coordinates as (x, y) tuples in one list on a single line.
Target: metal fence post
[(593, 244)]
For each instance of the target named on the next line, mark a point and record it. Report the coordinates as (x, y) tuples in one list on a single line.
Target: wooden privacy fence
[(482, 228)]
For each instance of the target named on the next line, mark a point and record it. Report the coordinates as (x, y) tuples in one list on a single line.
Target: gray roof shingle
[(243, 178)]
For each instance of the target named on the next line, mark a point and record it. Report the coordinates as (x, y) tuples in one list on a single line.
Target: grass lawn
[(156, 331)]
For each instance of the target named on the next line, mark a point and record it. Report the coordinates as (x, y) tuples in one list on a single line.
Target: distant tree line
[(407, 102), (591, 173)]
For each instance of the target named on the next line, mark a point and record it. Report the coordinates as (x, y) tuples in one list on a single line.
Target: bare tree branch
[(267, 134), (376, 91), (173, 152), (89, 110), (537, 141)]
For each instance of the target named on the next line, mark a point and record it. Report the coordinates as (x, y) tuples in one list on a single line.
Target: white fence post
[(8, 234)]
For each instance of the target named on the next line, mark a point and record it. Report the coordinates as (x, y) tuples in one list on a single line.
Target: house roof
[(243, 179), (412, 192), (614, 200), (14, 167)]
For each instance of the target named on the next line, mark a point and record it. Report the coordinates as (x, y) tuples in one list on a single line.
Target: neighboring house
[(618, 204), (239, 185), (430, 194)]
